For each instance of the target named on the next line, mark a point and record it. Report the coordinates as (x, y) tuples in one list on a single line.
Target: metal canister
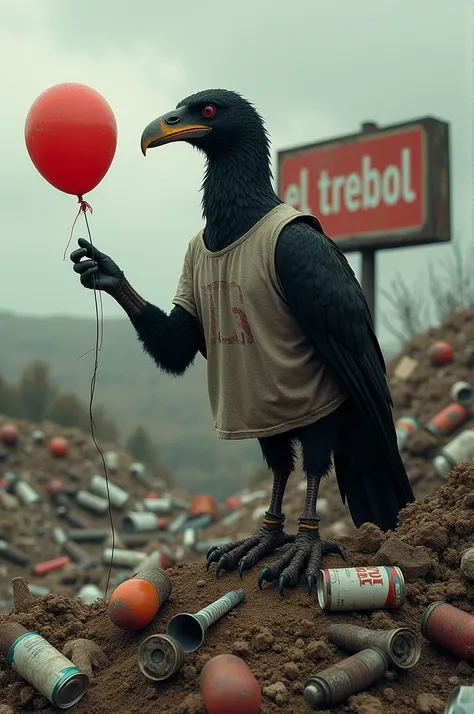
[(189, 538), (108, 490), (365, 588), (14, 555), (37, 436), (25, 493), (461, 701), (461, 448), (136, 540), (451, 628), (355, 674), (201, 522), (405, 426), (463, 393), (142, 521), (75, 519), (38, 590), (401, 645), (160, 657), (447, 420), (89, 593), (158, 505), (122, 558), (156, 559), (93, 503), (111, 459), (179, 523), (88, 535), (42, 665), (137, 469)]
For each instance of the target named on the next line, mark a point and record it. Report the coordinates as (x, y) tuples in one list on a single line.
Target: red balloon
[(71, 137)]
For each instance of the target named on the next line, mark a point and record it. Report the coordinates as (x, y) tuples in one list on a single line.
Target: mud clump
[(282, 640)]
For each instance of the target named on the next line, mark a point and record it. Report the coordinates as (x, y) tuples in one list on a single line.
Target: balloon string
[(99, 321)]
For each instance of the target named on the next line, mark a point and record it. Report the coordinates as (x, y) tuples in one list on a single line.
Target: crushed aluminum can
[(365, 588)]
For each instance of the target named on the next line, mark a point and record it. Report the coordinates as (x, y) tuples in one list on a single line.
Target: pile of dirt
[(283, 640)]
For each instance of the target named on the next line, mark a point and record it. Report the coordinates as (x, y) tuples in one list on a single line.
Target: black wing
[(329, 305)]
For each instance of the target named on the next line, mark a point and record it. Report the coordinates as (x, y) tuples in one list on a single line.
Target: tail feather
[(371, 477)]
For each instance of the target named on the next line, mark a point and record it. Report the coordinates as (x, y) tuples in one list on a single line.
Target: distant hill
[(133, 390)]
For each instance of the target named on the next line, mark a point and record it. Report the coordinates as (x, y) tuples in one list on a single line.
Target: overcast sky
[(314, 69)]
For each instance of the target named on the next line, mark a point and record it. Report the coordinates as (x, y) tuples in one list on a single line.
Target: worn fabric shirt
[(264, 377)]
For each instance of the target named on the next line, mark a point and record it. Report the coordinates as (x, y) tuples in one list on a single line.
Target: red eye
[(209, 111)]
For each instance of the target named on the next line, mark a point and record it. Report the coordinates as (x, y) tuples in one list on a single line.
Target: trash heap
[(432, 384), (280, 643)]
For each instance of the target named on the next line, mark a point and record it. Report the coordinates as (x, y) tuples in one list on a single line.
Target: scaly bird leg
[(307, 550), (244, 554)]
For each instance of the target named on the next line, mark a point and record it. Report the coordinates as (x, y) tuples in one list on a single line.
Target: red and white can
[(370, 587)]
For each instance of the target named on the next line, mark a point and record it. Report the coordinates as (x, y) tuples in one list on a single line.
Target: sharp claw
[(213, 558), (342, 552), (310, 579), (223, 564), (283, 583), (242, 566), (264, 577), (212, 549)]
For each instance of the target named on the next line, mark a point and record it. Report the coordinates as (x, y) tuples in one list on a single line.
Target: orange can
[(447, 420), (204, 505)]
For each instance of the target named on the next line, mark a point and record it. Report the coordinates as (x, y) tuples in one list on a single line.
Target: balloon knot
[(84, 206)]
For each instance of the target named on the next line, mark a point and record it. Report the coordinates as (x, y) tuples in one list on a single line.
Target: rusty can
[(451, 628), (42, 665), (461, 701), (160, 657), (401, 645), (405, 426), (447, 420), (366, 588), (204, 505), (354, 674), (160, 580)]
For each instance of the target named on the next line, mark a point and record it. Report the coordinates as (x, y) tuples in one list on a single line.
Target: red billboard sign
[(382, 189)]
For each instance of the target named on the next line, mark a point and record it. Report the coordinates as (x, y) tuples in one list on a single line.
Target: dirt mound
[(283, 641)]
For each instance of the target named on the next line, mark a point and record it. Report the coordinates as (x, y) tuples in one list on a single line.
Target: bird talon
[(264, 577), (342, 552), (283, 583), (214, 557), (212, 549), (242, 566), (310, 579), (223, 564)]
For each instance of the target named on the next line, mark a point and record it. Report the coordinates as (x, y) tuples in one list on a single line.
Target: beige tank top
[(264, 377)]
